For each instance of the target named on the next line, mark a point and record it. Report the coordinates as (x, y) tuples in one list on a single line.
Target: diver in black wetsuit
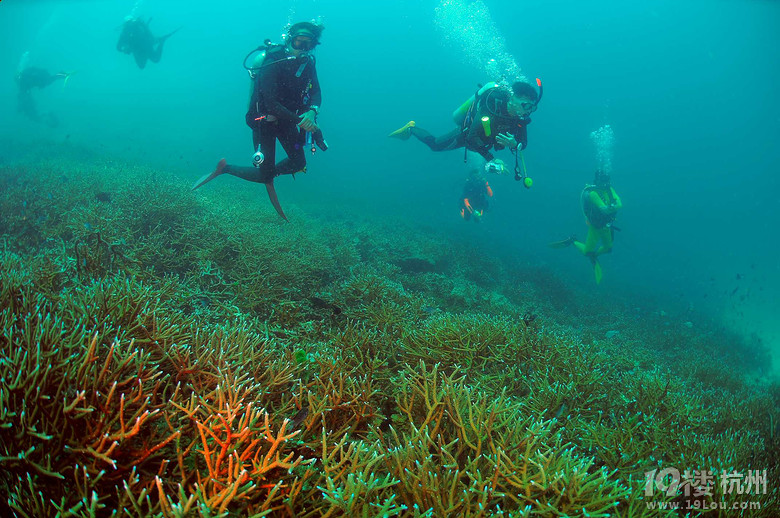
[(475, 199), (492, 118), (283, 106), (35, 77), (138, 40)]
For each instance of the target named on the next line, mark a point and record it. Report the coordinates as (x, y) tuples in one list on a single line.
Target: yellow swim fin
[(65, 76), (597, 272), (403, 132), (596, 266)]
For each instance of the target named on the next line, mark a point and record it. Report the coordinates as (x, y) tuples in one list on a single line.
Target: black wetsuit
[(492, 104), (476, 194), (284, 89), (138, 40), (34, 77)]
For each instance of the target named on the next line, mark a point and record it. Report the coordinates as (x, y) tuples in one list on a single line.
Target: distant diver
[(284, 104), (475, 200), (35, 77), (600, 204), (138, 40), (493, 118)]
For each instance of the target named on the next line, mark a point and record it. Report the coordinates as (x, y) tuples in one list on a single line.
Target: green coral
[(171, 354)]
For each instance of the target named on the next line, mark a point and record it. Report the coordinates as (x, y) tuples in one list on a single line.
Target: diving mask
[(302, 42)]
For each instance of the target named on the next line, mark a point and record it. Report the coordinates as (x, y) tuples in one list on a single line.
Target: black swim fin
[(275, 199), (161, 39), (220, 169), (563, 244)]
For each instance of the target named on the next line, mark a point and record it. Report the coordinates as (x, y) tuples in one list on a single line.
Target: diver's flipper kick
[(275, 199), (283, 107), (203, 180), (563, 243), (222, 168)]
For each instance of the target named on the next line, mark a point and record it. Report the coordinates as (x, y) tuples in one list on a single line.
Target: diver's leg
[(591, 242), (156, 54), (248, 173), (444, 143), (140, 59), (51, 120), (606, 240), (265, 136), (262, 174), (27, 106), (293, 142), (156, 51), (589, 250), (49, 79)]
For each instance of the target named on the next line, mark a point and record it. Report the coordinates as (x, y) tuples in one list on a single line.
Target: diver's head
[(304, 36), (524, 99), (601, 179)]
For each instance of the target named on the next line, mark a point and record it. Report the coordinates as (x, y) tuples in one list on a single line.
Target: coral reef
[(165, 354)]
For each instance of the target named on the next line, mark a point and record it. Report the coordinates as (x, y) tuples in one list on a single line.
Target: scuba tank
[(266, 49), (464, 115), (468, 108)]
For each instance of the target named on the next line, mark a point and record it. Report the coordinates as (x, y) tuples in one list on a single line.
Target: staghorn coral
[(464, 451), (200, 380)]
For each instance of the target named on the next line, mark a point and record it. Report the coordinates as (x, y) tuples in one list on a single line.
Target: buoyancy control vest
[(293, 81), (597, 218)]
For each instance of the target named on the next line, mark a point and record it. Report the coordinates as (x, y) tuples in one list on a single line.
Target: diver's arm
[(256, 63), (618, 204), (598, 203), (484, 153), (308, 118), (121, 44), (517, 139)]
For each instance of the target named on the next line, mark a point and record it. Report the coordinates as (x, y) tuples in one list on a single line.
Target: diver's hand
[(307, 121), (495, 166), (506, 140)]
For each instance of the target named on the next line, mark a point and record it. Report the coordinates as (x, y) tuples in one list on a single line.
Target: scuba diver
[(284, 104), (600, 204), (138, 40), (35, 77), (476, 196), (493, 118)]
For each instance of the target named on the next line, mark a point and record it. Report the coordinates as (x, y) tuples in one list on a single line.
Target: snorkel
[(541, 91)]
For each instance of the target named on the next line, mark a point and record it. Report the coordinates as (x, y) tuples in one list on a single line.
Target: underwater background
[(689, 89)]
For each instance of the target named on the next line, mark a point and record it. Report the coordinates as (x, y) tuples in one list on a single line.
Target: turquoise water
[(688, 87)]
